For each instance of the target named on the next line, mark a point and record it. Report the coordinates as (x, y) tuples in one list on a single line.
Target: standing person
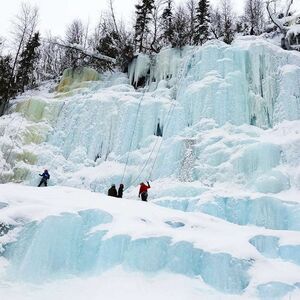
[(112, 191), (45, 177), (143, 193), (120, 191)]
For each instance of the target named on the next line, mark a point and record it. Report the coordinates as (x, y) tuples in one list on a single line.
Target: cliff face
[(191, 121)]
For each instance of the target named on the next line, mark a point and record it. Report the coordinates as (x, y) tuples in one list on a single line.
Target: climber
[(120, 191), (112, 191), (45, 176), (143, 193)]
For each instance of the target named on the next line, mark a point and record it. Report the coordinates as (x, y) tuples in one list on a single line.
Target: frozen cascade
[(178, 98), (247, 83), (205, 102)]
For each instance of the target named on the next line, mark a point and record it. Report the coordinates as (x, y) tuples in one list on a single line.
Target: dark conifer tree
[(227, 21), (27, 63), (143, 12), (228, 31), (6, 91), (202, 22), (168, 30)]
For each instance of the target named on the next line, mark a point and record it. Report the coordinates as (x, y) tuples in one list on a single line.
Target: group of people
[(113, 192), (143, 192)]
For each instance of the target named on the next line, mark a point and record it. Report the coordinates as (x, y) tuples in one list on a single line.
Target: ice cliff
[(216, 129)]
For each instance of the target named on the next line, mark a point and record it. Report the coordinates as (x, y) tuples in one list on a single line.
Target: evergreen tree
[(202, 22), (29, 57), (143, 18), (228, 31), (6, 91), (168, 30)]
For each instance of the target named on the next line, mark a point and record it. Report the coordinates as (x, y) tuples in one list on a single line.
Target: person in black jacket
[(120, 191), (45, 177), (112, 191)]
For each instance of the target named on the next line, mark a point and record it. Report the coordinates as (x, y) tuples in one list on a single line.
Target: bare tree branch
[(111, 6), (86, 52), (288, 7)]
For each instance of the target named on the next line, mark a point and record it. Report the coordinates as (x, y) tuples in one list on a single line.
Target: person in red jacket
[(143, 193)]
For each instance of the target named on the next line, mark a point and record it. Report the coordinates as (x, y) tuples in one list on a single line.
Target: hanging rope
[(171, 111), (134, 128), (168, 118)]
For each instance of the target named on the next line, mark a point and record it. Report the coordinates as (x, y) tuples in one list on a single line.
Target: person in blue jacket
[(45, 177)]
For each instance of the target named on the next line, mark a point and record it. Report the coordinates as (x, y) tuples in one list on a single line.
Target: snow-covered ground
[(217, 131), (67, 235)]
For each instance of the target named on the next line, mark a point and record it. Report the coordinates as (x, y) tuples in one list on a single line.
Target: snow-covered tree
[(74, 36), (191, 8), (287, 22), (227, 19), (216, 23), (202, 22), (111, 38), (51, 58), (181, 30), (254, 16)]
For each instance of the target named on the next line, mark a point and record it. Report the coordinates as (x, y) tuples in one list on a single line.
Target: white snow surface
[(147, 227)]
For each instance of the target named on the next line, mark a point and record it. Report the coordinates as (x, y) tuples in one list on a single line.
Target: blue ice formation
[(66, 245), (269, 247), (274, 290), (266, 211)]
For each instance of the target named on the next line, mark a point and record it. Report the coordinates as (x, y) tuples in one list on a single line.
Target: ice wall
[(65, 245), (174, 127), (251, 82)]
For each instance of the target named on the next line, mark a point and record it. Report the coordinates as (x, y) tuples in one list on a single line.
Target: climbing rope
[(168, 118), (171, 111), (133, 132)]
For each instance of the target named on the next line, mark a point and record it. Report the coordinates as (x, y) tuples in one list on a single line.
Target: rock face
[(76, 78)]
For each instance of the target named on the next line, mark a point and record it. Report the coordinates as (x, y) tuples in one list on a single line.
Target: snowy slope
[(66, 232)]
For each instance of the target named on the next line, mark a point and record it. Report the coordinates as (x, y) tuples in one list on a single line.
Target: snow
[(117, 285), (96, 234)]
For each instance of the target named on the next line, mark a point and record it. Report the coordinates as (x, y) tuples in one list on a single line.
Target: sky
[(55, 15)]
